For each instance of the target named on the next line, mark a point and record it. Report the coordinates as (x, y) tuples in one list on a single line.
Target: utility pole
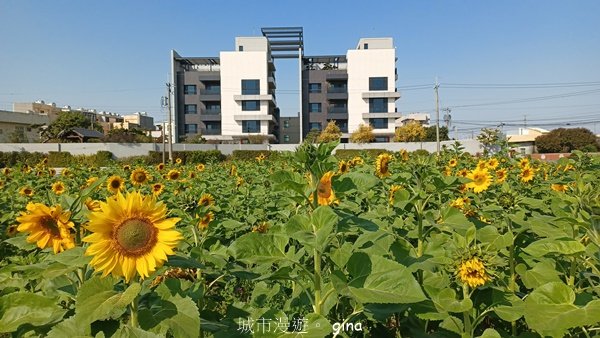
[(170, 119), (163, 104), (437, 115)]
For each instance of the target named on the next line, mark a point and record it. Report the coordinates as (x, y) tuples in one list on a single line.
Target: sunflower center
[(324, 190), (50, 225), (135, 237), (479, 179), (115, 184), (140, 177)]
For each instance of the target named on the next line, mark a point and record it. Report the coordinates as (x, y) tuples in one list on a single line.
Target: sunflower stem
[(468, 331), (134, 312), (317, 257)]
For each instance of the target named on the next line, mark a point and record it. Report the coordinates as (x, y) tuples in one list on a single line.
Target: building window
[(211, 88), (251, 126), (189, 89), (343, 124), (378, 105), (286, 138), (286, 123), (213, 108), (190, 109), (314, 107), (191, 128), (250, 105), (315, 126), (379, 123), (366, 46), (378, 83), (250, 87), (379, 139), (314, 87), (241, 48)]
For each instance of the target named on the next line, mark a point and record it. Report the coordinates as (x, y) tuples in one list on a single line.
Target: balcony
[(254, 117), (272, 83), (210, 94), (211, 111), (336, 75), (337, 113), (388, 115), (210, 75), (204, 131), (381, 94), (267, 97), (337, 93)]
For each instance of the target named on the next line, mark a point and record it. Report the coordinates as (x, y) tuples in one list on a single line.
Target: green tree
[(331, 133), (64, 123), (17, 136), (364, 134), (431, 137), (410, 132), (127, 136), (492, 140), (563, 140)]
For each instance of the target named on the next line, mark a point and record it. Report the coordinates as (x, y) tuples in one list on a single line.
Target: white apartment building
[(232, 97)]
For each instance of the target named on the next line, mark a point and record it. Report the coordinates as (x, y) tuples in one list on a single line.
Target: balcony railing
[(210, 91), (337, 110), (337, 90), (211, 111), (204, 131)]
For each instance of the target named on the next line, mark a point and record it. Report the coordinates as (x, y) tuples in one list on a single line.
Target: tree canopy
[(364, 134), (331, 133), (565, 140), (410, 132)]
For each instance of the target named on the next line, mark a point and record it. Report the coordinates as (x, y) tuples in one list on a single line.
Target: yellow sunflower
[(58, 187), (492, 163), (157, 188), (472, 272), (382, 165), (173, 174), (178, 160), (481, 180), (447, 171), (261, 228), (462, 172), (6, 171), (52, 172), (393, 189), (131, 234), (343, 167), (115, 184), (200, 167), (160, 166), (233, 170), (91, 181), (91, 204), (325, 194), (524, 162), (139, 176), (452, 163), (127, 167), (460, 202), (404, 154), (26, 191), (192, 174), (559, 187), (357, 160), (482, 165), (260, 158), (527, 174), (47, 226), (239, 181), (11, 230), (65, 172), (205, 220), (501, 175), (206, 200)]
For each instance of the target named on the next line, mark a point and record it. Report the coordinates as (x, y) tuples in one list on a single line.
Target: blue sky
[(114, 55)]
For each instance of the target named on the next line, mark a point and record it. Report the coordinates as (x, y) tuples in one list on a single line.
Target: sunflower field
[(303, 245)]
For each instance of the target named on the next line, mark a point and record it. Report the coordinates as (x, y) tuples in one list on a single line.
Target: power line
[(530, 99)]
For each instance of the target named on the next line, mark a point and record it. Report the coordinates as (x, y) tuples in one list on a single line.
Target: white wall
[(235, 66), (362, 64), (121, 150)]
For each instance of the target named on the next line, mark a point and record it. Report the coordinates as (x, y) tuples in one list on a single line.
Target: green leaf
[(73, 257), (20, 242), (383, 281), (541, 273), (259, 248), (97, 299), (446, 301), (134, 332), (550, 311), (564, 246), (490, 333), (70, 327), (511, 313), (181, 317), (453, 324), (362, 182), (21, 308)]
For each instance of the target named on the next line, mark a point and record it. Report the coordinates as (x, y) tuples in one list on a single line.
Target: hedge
[(12, 158), (250, 155), (196, 156), (348, 154), (60, 159)]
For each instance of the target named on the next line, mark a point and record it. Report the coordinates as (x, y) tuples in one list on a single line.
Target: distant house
[(422, 118), (524, 141), (81, 135), (21, 127)]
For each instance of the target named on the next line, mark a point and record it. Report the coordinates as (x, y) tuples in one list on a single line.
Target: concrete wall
[(121, 150)]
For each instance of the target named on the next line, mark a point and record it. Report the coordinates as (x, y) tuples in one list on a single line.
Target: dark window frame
[(187, 111), (375, 124), (378, 83), (186, 90), (246, 107), (316, 85), (248, 87), (318, 104), (246, 128)]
